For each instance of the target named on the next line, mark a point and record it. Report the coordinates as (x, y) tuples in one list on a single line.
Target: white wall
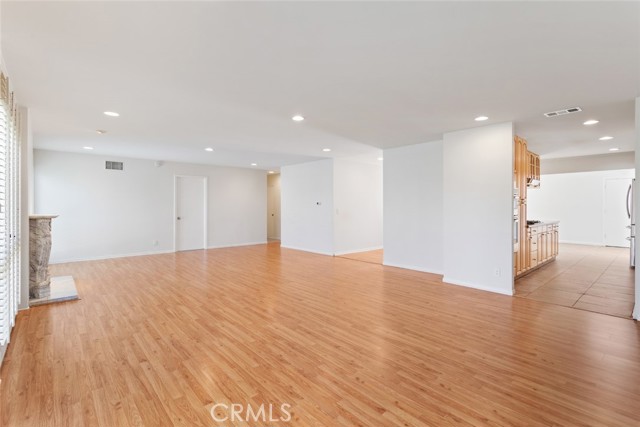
[(307, 206), (26, 157), (478, 214), (105, 213), (636, 310), (599, 162), (413, 207), (577, 201), (357, 200)]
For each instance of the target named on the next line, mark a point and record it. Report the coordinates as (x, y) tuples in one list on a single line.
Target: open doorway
[(592, 270), (273, 207)]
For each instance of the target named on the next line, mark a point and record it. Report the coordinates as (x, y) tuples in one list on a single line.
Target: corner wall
[(413, 198), (26, 156), (106, 213), (357, 201), (478, 212), (307, 206)]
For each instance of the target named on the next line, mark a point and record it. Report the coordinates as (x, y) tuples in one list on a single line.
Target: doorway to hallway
[(273, 206)]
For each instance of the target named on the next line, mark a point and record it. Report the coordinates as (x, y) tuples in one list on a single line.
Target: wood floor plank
[(157, 340)]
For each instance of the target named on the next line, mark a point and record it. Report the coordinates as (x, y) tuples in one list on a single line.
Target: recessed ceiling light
[(590, 122), (88, 148), (380, 158), (100, 131), (297, 118), (606, 138), (111, 114), (614, 149), (271, 172), (326, 150), (208, 149), (481, 118), (254, 164)]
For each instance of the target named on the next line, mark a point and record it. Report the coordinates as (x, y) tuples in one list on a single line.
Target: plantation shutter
[(9, 211)]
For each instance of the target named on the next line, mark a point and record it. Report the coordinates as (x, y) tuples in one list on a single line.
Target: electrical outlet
[(496, 272)]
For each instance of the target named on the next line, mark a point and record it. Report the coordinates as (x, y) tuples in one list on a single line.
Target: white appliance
[(631, 213)]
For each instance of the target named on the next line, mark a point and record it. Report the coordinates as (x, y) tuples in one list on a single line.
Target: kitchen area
[(587, 264), (536, 241)]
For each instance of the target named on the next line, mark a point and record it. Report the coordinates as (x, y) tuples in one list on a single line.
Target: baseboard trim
[(236, 245), (570, 242), (456, 282), (102, 257), (636, 311), (373, 248), (412, 267), (295, 248), (3, 350), (134, 254)]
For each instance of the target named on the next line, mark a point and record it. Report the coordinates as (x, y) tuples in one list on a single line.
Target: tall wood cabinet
[(521, 163), (538, 243)]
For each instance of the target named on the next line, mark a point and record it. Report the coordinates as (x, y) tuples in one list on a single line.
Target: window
[(9, 211)]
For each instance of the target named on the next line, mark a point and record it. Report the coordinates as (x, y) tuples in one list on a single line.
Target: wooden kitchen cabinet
[(543, 244), (520, 167), (533, 170), (538, 244), (533, 250)]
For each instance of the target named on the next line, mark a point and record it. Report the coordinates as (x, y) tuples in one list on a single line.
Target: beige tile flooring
[(589, 278)]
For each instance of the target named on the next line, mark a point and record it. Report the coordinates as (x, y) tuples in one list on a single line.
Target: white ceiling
[(366, 75)]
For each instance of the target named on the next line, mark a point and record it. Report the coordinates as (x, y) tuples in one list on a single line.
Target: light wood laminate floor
[(157, 340), (590, 278)]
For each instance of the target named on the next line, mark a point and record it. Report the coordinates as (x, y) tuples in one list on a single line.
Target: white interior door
[(616, 219), (191, 212)]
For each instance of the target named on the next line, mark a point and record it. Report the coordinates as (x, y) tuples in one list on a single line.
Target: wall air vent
[(563, 112), (116, 166)]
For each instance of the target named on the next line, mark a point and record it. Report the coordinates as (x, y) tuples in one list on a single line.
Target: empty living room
[(319, 213)]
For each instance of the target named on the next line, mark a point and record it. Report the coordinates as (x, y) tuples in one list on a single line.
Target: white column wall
[(26, 156), (478, 213)]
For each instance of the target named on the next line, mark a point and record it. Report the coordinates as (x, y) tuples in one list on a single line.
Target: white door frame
[(175, 209)]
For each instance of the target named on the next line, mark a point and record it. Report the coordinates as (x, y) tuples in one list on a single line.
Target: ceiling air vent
[(563, 112), (116, 166)]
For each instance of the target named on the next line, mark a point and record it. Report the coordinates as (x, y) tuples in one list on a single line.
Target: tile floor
[(584, 277)]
